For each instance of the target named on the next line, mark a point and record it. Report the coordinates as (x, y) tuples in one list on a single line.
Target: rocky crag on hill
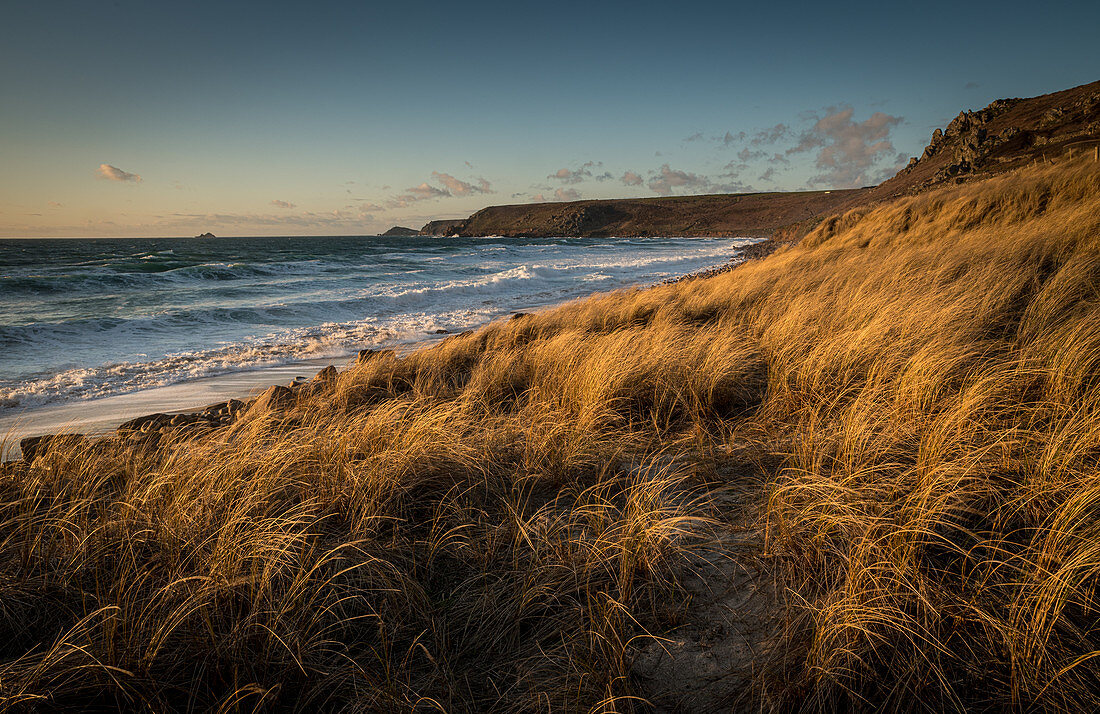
[(1007, 134)]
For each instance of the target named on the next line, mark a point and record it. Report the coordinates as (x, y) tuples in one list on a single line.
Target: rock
[(145, 423), (326, 375), (518, 316), (234, 407), (441, 332), (206, 235), (274, 398), (214, 410), (369, 355), (33, 446)]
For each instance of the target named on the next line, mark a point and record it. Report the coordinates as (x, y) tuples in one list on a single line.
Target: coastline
[(100, 417)]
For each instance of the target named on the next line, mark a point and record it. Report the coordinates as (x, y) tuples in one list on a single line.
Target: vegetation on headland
[(893, 427)]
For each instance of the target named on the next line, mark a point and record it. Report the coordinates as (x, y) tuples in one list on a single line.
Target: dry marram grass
[(500, 522)]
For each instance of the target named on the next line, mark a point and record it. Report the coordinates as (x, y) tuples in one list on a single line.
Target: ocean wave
[(329, 340)]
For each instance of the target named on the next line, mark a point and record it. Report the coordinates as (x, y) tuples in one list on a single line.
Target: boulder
[(326, 375), (33, 446), (369, 355), (145, 423), (274, 398)]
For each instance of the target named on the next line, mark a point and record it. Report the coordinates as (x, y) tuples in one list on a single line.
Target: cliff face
[(1003, 136)]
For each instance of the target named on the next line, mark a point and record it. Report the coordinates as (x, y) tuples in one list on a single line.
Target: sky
[(157, 118)]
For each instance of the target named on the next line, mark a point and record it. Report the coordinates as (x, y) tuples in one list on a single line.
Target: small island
[(206, 235), (401, 231)]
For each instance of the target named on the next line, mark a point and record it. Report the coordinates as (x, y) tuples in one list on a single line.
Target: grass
[(908, 402)]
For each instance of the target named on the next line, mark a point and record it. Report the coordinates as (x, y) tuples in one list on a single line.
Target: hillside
[(1005, 135)]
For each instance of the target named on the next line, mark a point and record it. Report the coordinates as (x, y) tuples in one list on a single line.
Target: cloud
[(971, 85), (538, 198), (282, 204), (665, 179), (697, 136), (458, 187), (577, 175), (748, 154), (423, 192), (733, 138), (848, 149), (55, 204), (567, 194), (451, 187), (631, 179), (770, 136), (768, 175), (113, 173)]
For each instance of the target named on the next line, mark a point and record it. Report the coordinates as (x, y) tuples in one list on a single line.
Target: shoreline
[(102, 416)]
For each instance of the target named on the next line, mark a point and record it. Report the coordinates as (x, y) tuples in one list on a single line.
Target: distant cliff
[(1006, 134), (714, 215)]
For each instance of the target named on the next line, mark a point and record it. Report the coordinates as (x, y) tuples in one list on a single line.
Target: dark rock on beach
[(274, 398), (368, 355), (35, 446)]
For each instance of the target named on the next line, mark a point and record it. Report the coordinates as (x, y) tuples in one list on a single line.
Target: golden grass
[(497, 522)]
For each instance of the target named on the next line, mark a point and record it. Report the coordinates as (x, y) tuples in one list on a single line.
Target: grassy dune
[(901, 415)]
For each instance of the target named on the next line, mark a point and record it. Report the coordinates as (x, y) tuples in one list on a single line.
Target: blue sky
[(152, 118)]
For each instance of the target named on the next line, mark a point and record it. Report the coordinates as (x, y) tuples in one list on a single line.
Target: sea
[(87, 320)]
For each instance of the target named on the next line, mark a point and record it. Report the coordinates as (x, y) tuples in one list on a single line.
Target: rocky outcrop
[(1006, 134), (448, 227)]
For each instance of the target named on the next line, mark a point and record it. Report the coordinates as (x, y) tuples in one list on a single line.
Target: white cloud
[(282, 204), (580, 174), (567, 194), (458, 187), (848, 149), (631, 179), (113, 173)]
